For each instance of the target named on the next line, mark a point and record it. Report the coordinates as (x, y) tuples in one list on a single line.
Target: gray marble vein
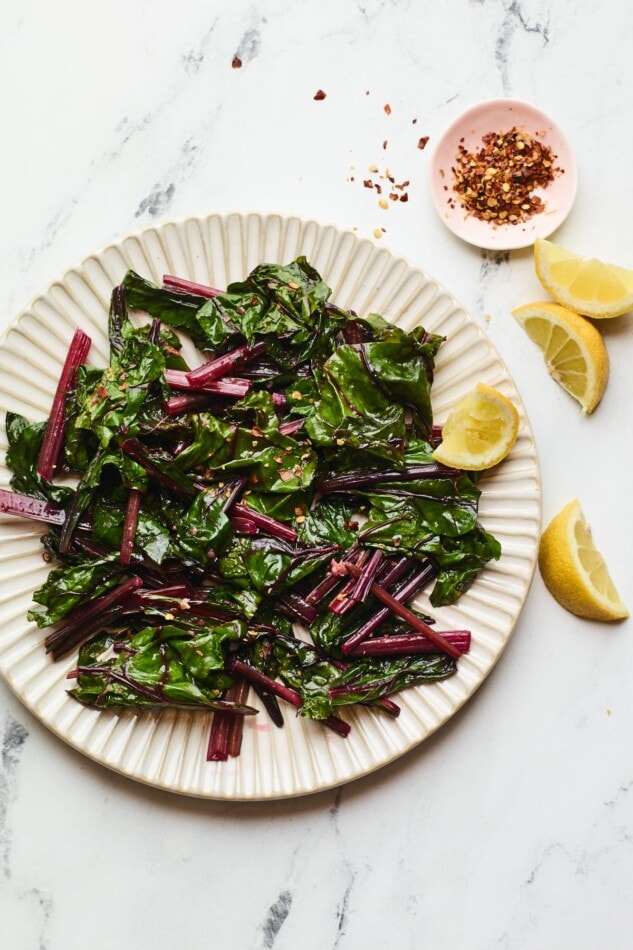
[(517, 18), (275, 919), (14, 736)]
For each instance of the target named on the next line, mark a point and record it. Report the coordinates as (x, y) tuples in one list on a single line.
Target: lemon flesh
[(480, 430), (583, 284), (573, 569), (574, 351)]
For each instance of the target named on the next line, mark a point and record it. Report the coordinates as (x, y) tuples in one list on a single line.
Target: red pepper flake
[(497, 181), (422, 142), (285, 475), (236, 62), (319, 95), (393, 195), (404, 197), (368, 183), (387, 108), (257, 431), (384, 144)]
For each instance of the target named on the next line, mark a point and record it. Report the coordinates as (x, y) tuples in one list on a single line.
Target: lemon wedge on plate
[(573, 569), (583, 284), (574, 351), (480, 430)]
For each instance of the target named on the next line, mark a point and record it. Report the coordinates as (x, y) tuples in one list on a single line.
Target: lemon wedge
[(573, 569), (583, 284), (574, 351), (480, 430)]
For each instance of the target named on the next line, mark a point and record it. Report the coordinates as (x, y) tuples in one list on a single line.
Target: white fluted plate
[(168, 750)]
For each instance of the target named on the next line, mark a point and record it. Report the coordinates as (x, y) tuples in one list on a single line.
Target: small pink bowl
[(500, 115)]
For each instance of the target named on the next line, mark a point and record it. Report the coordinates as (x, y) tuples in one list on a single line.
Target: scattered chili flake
[(387, 108), (236, 62), (384, 144), (368, 183), (404, 197), (285, 475), (413, 121), (422, 142), (393, 195), (319, 95), (496, 183)]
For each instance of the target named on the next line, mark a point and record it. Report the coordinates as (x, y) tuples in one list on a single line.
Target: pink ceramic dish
[(500, 115)]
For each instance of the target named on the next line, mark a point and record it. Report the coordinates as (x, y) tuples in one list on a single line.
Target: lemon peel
[(574, 351), (479, 432), (573, 569), (584, 284)]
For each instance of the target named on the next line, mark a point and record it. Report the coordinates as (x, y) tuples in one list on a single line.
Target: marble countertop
[(511, 827)]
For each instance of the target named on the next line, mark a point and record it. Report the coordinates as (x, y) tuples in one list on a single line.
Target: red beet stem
[(217, 749), (137, 451), (250, 673), (291, 428), (56, 425), (222, 365), (277, 528), (407, 615), (232, 386), (225, 738), (240, 691), (77, 624), (37, 509), (330, 581), (342, 728), (343, 601), (407, 589), (129, 525), (388, 706), (411, 643), (189, 286), (354, 480), (294, 606), (244, 526), (188, 402), (362, 586), (284, 692)]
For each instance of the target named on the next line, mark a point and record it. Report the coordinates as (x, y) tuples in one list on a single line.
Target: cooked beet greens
[(288, 479)]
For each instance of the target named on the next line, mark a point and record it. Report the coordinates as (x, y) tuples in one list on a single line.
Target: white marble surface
[(511, 827)]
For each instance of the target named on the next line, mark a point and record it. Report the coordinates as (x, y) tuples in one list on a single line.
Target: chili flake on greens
[(286, 481)]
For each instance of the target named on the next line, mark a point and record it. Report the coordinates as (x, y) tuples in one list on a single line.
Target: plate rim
[(393, 256)]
